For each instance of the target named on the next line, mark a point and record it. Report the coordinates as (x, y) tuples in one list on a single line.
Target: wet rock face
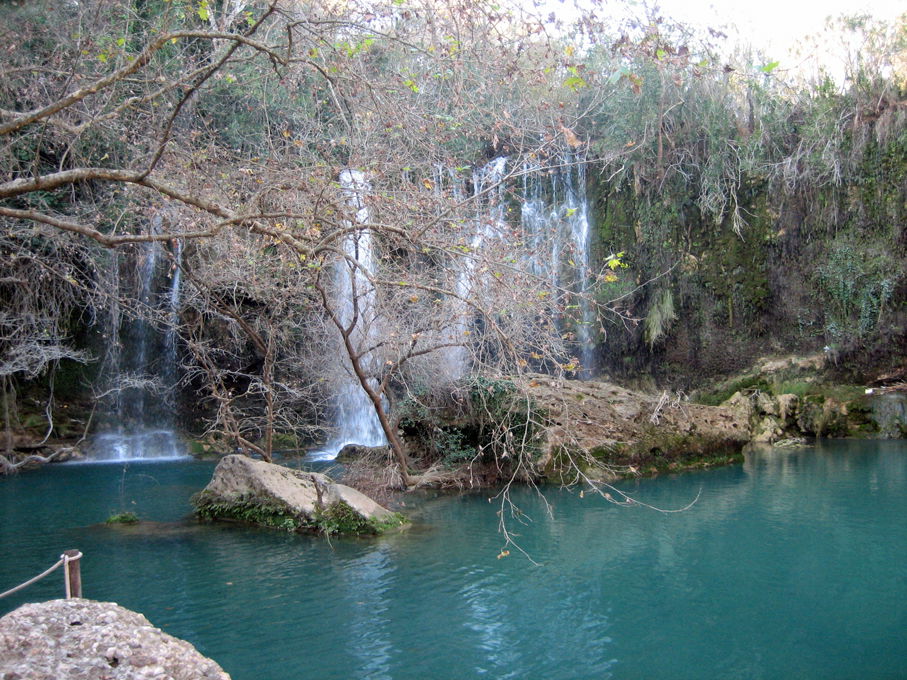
[(84, 640)]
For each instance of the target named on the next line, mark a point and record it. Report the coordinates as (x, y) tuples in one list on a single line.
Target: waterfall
[(555, 219), (488, 224), (355, 419), (554, 216), (141, 359)]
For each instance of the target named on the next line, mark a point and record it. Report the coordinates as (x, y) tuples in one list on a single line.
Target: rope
[(38, 578)]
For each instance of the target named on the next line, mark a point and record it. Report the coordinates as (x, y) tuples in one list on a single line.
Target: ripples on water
[(791, 565)]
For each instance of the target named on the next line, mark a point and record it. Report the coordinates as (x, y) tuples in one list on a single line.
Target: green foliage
[(123, 518), (451, 446), (496, 421), (855, 284), (507, 418), (340, 519), (659, 317), (249, 510)]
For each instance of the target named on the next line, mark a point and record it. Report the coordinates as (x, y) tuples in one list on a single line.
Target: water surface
[(790, 566)]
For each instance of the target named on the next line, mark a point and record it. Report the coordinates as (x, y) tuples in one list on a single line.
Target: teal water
[(793, 565)]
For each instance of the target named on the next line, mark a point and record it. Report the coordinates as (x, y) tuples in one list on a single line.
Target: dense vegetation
[(738, 209)]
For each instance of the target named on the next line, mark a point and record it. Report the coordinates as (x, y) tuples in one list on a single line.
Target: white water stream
[(141, 361)]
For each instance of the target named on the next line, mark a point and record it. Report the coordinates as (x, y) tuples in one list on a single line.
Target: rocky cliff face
[(81, 639)]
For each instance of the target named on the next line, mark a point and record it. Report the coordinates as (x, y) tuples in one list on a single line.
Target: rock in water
[(97, 641), (256, 492)]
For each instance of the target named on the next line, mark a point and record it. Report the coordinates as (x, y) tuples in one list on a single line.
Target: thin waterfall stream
[(141, 361), (355, 419)]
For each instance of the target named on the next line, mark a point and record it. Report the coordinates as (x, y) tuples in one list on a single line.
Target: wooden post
[(72, 572)]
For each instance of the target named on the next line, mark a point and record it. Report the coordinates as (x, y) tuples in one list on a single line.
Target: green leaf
[(615, 262), (768, 68), (571, 212), (203, 11), (575, 83)]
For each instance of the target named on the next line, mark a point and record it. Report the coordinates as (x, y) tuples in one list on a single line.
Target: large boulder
[(83, 640), (256, 492)]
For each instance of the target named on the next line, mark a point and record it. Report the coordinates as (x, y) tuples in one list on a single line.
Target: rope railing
[(72, 575)]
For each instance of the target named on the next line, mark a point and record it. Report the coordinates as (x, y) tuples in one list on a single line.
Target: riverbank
[(483, 431)]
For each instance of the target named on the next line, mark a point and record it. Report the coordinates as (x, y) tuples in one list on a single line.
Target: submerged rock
[(265, 494), (98, 640)]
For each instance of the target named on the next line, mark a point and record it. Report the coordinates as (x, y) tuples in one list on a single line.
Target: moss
[(337, 518), (860, 419), (340, 518), (208, 448), (656, 453), (285, 441), (248, 510), (123, 518), (726, 390), (798, 387), (660, 452), (565, 464)]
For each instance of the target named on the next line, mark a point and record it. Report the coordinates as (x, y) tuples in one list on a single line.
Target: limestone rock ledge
[(630, 432), (84, 640), (255, 492)]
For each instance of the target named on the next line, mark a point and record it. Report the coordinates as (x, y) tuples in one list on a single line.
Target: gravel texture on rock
[(85, 640)]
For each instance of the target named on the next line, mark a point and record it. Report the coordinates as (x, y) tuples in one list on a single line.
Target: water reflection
[(788, 566), (366, 580)]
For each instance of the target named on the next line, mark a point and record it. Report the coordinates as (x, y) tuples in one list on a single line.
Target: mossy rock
[(660, 452), (123, 518), (268, 495), (249, 510), (340, 518)]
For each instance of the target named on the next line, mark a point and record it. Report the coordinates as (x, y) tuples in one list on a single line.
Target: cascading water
[(488, 224), (141, 361), (355, 419), (555, 221), (171, 336), (555, 218)]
